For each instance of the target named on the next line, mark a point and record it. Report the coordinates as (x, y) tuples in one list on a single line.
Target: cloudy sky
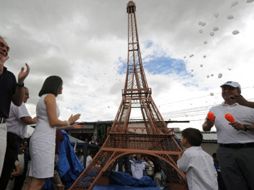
[(189, 48)]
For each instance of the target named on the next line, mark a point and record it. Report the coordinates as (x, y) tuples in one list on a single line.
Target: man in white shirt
[(137, 167), (89, 159), (149, 167), (16, 129), (236, 139), (196, 163)]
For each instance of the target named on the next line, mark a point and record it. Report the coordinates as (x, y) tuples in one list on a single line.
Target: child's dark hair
[(193, 136)]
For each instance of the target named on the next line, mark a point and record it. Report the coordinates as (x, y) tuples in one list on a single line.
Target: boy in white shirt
[(196, 163), (137, 167)]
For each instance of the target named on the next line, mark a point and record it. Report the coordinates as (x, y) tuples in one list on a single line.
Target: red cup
[(210, 116), (229, 117)]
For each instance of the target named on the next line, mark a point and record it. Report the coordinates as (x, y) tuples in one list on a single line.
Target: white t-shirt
[(225, 132), (199, 168), (89, 160), (13, 123), (150, 168), (137, 168)]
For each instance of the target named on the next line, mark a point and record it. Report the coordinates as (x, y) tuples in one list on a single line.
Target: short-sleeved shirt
[(226, 134), (199, 168), (89, 160), (13, 123), (7, 90), (137, 168)]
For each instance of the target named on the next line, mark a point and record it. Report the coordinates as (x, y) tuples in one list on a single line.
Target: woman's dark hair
[(52, 85), (193, 136)]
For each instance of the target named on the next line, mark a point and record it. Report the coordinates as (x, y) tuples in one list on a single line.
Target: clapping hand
[(23, 73), (73, 118), (77, 126)]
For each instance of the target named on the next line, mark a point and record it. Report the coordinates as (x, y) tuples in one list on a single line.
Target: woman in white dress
[(42, 143)]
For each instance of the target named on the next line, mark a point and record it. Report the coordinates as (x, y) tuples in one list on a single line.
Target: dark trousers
[(237, 167), (13, 143), (221, 182), (19, 181)]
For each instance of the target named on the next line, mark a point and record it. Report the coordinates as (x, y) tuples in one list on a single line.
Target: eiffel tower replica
[(147, 135)]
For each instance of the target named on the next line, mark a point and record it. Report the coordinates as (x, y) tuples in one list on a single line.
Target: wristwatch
[(245, 128), (20, 84)]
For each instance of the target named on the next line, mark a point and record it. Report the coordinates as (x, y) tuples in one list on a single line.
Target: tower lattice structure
[(138, 127)]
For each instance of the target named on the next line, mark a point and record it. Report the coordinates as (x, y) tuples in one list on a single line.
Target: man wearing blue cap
[(236, 138)]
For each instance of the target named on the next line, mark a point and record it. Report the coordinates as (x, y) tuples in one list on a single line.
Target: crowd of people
[(141, 167), (14, 117), (235, 137)]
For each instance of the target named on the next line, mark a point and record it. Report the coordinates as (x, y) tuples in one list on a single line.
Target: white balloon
[(216, 15), (234, 4), (215, 28), (230, 17), (235, 32), (201, 23)]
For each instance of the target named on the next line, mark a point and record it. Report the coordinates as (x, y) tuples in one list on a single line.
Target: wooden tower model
[(138, 127)]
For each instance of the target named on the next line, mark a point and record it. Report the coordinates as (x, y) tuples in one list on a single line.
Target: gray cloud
[(82, 41)]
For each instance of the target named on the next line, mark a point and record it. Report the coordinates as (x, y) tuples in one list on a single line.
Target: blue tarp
[(118, 187), (68, 165), (124, 181)]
